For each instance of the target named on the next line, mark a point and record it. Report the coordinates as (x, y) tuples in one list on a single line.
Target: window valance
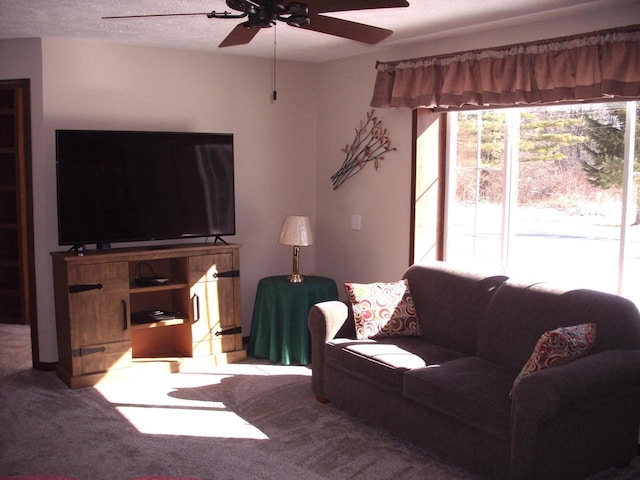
[(597, 65)]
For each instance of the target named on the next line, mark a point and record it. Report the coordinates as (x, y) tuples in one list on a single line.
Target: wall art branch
[(370, 144)]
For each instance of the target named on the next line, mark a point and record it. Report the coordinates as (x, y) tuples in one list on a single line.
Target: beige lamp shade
[(296, 230)]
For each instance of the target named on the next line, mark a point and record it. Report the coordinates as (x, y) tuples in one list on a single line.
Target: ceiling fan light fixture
[(297, 15), (242, 6), (298, 9), (298, 21)]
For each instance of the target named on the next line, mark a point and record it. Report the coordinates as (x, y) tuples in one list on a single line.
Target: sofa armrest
[(326, 320), (594, 383)]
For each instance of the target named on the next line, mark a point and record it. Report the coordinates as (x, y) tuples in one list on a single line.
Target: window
[(546, 193)]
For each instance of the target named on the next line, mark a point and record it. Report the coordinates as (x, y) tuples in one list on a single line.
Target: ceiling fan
[(265, 13)]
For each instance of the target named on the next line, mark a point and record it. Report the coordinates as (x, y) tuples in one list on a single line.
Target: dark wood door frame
[(21, 112)]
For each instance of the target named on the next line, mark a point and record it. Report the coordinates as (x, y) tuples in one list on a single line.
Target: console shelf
[(97, 293), (157, 288), (159, 323)]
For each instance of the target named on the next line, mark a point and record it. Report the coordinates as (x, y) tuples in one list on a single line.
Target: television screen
[(120, 186)]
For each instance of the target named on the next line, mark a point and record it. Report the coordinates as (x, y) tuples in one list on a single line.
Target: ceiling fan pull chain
[(275, 93)]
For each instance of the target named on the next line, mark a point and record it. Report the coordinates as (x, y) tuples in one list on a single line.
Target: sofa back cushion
[(520, 313), (449, 303)]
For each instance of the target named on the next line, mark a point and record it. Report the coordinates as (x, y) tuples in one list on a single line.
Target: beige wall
[(105, 86), (285, 151), (380, 250)]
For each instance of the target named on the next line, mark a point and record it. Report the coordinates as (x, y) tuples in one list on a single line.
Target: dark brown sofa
[(448, 390)]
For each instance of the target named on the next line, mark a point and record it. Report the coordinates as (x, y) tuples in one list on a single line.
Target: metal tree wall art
[(370, 144)]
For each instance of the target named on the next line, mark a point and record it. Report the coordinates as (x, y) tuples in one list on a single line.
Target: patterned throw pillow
[(557, 347), (383, 310)]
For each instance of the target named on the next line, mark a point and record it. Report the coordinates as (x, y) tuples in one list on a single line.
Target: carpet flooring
[(250, 420)]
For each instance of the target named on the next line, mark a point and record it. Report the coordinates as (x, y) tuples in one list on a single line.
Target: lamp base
[(295, 278)]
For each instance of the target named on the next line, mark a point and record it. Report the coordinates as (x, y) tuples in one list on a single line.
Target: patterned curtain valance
[(597, 65)]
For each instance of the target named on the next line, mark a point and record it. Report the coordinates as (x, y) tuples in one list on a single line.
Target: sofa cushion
[(450, 302), (557, 347), (384, 361), (519, 313), (470, 389), (383, 309)]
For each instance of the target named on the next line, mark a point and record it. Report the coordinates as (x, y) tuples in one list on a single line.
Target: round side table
[(279, 329)]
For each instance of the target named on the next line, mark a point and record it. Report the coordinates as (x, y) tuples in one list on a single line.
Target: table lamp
[(296, 231)]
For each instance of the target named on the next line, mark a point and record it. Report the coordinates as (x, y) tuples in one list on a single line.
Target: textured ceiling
[(422, 20)]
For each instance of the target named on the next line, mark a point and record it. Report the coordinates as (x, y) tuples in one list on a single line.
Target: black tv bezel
[(104, 244)]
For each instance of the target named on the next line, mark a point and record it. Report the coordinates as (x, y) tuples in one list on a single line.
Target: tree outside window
[(539, 193)]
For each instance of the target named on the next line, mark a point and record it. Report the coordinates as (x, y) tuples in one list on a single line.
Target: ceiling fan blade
[(323, 6), (347, 29), (239, 36), (157, 15)]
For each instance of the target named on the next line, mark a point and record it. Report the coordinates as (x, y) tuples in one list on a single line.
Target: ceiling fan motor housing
[(298, 14), (264, 14), (262, 18)]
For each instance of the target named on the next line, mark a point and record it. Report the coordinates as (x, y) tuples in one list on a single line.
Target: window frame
[(439, 227)]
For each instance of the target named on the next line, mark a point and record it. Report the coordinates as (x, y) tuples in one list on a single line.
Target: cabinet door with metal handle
[(99, 307), (214, 280)]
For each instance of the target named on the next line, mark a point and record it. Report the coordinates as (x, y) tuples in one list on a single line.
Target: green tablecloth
[(279, 329)]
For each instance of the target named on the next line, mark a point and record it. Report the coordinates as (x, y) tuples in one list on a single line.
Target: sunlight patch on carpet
[(189, 404), (190, 422)]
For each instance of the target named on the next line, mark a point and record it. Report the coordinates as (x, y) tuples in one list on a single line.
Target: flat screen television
[(126, 186)]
